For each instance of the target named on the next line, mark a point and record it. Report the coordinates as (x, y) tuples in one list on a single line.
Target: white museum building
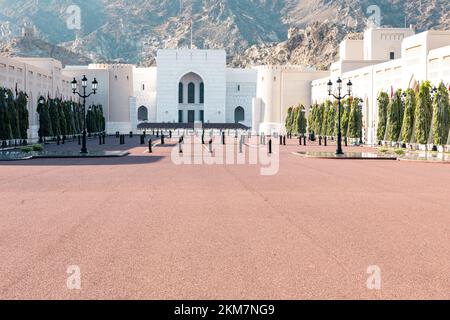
[(196, 86)]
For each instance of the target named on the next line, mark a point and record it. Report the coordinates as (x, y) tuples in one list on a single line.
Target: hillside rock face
[(252, 31)]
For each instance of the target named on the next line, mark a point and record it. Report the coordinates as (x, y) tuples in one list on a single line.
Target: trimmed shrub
[(395, 117), (383, 102), (423, 113), (441, 116), (408, 118)]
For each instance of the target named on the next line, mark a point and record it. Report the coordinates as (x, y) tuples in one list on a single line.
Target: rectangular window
[(180, 116), (202, 116), (392, 55)]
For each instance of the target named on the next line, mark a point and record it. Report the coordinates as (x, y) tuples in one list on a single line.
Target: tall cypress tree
[(45, 121), (423, 113), (288, 122), (54, 117), (408, 118), (353, 122), (395, 117), (13, 115), (311, 119), (61, 117), (346, 117), (5, 127), (21, 102), (383, 103), (331, 119), (301, 120), (324, 116), (441, 111)]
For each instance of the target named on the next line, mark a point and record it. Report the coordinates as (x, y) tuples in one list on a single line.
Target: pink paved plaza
[(141, 227)]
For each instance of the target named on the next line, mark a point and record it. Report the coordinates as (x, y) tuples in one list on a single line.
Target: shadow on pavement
[(129, 160)]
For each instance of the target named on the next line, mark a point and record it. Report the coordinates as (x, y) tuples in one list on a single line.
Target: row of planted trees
[(65, 118), (296, 122), (420, 116), (14, 120), (323, 119)]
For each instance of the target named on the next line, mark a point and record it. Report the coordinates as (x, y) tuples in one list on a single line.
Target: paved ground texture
[(141, 227)]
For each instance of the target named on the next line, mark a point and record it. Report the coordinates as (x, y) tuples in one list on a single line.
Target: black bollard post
[(300, 140), (281, 140), (320, 140), (304, 141), (170, 134), (157, 134), (284, 140), (270, 146), (346, 142), (64, 140), (210, 145), (223, 138), (79, 140), (131, 134), (150, 146), (100, 140), (162, 139), (325, 141)]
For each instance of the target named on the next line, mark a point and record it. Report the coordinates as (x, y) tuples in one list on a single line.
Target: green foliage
[(289, 120), (301, 122), (408, 118), (45, 121), (312, 119), (324, 124), (383, 103), (13, 115), (37, 147), (395, 117), (423, 113), (399, 152), (331, 118), (26, 149), (294, 124), (95, 120), (346, 117), (441, 111), (355, 119), (54, 117), (5, 127)]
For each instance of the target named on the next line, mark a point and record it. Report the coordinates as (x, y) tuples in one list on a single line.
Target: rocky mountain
[(252, 31)]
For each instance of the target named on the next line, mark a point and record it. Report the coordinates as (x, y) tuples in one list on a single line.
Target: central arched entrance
[(191, 98), (239, 115)]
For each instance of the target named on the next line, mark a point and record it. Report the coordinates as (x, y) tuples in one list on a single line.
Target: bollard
[(170, 134), (210, 145), (270, 146), (325, 141), (320, 141), (346, 143), (145, 134), (281, 140), (131, 134), (157, 134), (304, 141), (150, 146), (58, 141), (162, 140), (64, 140), (300, 140), (223, 138), (284, 140), (100, 140), (143, 139), (79, 140)]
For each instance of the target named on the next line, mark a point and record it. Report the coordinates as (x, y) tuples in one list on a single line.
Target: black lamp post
[(83, 95), (339, 97)]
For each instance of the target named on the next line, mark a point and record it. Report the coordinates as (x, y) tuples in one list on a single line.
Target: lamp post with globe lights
[(84, 96), (339, 97)]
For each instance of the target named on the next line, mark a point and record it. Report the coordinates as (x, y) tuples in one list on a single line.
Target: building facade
[(391, 59), (196, 86)]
